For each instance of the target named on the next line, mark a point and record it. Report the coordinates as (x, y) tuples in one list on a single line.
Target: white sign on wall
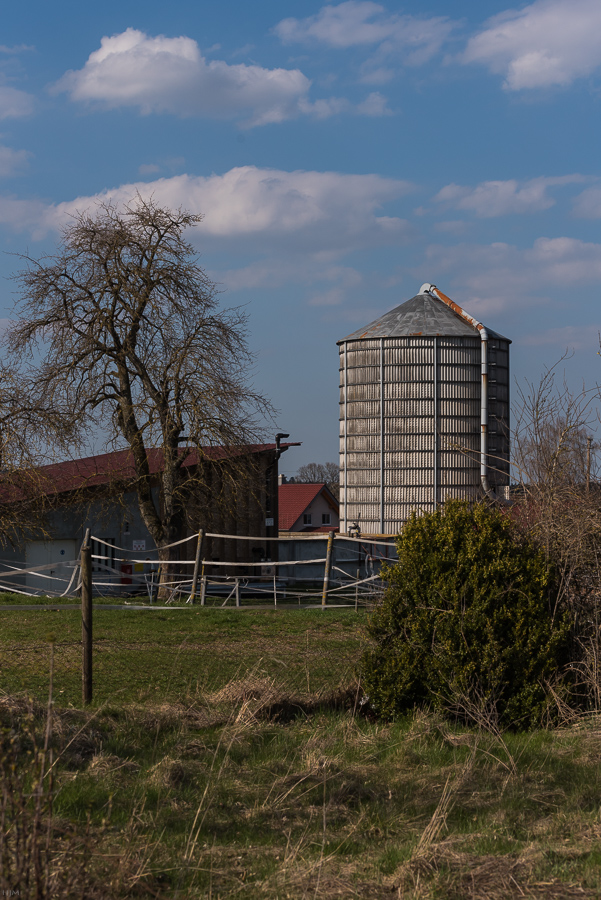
[(138, 546)]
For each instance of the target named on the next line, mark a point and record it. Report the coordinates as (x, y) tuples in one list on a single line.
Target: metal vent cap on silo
[(424, 315)]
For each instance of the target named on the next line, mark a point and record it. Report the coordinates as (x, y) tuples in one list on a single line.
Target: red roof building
[(118, 467), (307, 507)]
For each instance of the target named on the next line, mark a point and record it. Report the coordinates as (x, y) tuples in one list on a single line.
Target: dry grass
[(259, 787)]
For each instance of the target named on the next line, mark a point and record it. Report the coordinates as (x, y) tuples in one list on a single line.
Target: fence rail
[(197, 579)]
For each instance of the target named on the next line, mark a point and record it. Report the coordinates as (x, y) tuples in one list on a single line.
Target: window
[(306, 518), (325, 518), (103, 557)]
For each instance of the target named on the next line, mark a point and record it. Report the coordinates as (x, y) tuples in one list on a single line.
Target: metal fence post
[(197, 563), (328, 569), (203, 588), (86, 618), (237, 592)]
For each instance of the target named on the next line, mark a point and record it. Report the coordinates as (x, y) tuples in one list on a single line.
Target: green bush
[(468, 622)]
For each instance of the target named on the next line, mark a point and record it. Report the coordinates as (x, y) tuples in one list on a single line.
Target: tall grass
[(267, 781)]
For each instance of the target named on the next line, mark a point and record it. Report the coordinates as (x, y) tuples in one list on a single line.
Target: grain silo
[(424, 413)]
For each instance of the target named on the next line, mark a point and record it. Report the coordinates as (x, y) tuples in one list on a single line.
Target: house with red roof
[(307, 508)]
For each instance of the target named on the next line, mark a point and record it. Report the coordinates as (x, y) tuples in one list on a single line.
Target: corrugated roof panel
[(423, 315)]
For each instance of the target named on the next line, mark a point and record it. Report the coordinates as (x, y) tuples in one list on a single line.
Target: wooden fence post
[(328, 569), (86, 619), (197, 564)]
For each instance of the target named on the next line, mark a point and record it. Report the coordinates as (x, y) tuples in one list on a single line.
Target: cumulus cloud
[(33, 216), (548, 43), (588, 203), (374, 105), (363, 23), (12, 161), (499, 276), (501, 198), (14, 103), (320, 212), (170, 75)]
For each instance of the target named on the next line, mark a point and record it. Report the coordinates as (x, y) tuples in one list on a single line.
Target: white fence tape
[(69, 572)]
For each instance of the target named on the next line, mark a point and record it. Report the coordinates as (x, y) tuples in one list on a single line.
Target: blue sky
[(341, 155)]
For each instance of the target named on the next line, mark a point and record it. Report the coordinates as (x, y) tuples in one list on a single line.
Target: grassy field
[(226, 755)]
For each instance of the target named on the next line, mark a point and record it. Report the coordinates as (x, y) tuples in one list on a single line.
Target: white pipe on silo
[(344, 528), (432, 289), (382, 436), (435, 387)]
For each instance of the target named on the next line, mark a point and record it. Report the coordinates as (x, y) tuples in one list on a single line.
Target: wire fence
[(349, 574)]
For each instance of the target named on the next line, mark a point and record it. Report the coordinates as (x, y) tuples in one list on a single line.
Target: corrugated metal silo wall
[(498, 413), (420, 446)]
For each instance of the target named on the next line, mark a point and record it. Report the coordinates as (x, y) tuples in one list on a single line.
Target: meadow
[(232, 754)]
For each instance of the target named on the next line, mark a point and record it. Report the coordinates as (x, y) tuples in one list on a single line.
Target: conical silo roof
[(424, 315)]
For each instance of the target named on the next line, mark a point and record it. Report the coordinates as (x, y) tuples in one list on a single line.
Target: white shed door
[(59, 555)]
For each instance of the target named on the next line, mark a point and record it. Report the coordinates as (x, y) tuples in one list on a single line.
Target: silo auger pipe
[(432, 289)]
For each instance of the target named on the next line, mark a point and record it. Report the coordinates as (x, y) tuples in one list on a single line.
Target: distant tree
[(321, 473), (121, 331)]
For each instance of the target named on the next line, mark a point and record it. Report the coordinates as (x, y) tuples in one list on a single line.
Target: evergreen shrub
[(469, 620)]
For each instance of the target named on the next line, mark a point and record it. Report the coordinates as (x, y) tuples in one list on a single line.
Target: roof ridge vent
[(426, 288)]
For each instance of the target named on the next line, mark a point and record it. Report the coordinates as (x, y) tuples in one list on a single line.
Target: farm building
[(97, 493), (424, 413)]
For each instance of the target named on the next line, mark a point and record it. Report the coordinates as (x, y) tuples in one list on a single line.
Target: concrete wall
[(348, 556)]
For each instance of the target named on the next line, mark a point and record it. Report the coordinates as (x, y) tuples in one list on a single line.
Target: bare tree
[(28, 434), (121, 332), (558, 502), (555, 457), (321, 473)]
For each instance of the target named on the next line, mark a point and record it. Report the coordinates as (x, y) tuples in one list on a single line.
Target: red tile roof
[(104, 468), (293, 499)]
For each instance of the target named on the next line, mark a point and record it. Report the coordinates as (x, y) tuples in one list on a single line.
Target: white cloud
[(374, 105), (451, 226), (588, 204), (12, 161), (170, 75), (320, 212), (16, 49), (161, 74), (148, 169), (573, 337), (14, 103), (501, 198), (549, 43), (363, 23), (323, 109), (333, 297), (281, 270), (500, 276), (26, 215)]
